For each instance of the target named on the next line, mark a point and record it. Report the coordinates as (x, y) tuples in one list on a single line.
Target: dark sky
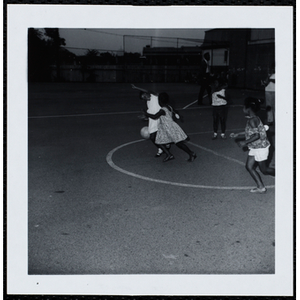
[(114, 40)]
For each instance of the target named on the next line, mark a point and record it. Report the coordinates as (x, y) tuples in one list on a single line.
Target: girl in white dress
[(168, 130)]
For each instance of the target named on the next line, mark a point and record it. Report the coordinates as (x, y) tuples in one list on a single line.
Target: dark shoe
[(169, 157), (192, 157)]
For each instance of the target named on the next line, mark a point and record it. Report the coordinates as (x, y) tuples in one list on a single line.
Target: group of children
[(164, 130)]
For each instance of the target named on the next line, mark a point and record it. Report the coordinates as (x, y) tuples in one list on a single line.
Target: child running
[(153, 107), (257, 142), (219, 108), (168, 130)]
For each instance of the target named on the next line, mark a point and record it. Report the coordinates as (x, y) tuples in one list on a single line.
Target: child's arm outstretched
[(254, 124), (175, 113), (155, 116), (137, 88), (142, 90), (244, 143), (252, 138), (235, 135)]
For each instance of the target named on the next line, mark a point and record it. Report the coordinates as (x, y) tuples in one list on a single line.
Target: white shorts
[(260, 154)]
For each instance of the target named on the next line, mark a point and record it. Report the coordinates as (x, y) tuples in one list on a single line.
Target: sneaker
[(259, 190), (159, 152), (223, 136), (214, 136)]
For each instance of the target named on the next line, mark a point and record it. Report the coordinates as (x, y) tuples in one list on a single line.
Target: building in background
[(244, 56), (247, 54)]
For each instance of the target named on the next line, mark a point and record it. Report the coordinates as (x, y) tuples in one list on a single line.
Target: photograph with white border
[(20, 18)]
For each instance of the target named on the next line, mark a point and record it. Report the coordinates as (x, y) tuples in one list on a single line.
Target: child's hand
[(233, 135), (242, 144)]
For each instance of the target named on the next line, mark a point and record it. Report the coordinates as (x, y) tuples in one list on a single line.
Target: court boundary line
[(205, 96), (116, 113), (218, 154), (114, 166)]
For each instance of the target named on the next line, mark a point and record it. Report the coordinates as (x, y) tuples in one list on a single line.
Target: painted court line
[(194, 102), (190, 104), (111, 113), (218, 154), (114, 166), (84, 115)]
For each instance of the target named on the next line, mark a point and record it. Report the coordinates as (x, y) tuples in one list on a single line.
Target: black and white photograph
[(150, 150)]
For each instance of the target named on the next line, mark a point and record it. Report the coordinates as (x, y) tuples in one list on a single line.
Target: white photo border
[(22, 17)]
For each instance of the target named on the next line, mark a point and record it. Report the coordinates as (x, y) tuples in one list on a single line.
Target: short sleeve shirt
[(271, 86), (216, 101), (263, 141), (153, 108)]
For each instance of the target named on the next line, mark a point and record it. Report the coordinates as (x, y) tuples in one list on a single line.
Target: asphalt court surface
[(97, 192)]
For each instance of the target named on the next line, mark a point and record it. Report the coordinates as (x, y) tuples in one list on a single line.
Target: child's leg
[(251, 166), (181, 145), (165, 149), (265, 169), (159, 149), (208, 88), (223, 119), (152, 139), (184, 147), (223, 125), (215, 120), (270, 96)]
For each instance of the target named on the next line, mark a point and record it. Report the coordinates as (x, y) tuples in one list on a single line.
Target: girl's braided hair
[(253, 103), (163, 98)]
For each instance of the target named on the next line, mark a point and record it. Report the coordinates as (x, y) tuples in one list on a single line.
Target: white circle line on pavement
[(218, 154), (114, 166)]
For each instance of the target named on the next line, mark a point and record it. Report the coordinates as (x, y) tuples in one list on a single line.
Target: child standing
[(269, 84), (257, 142), (168, 130), (219, 108)]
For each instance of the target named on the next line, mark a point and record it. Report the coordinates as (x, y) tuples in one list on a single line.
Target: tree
[(44, 47), (38, 57), (55, 42)]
